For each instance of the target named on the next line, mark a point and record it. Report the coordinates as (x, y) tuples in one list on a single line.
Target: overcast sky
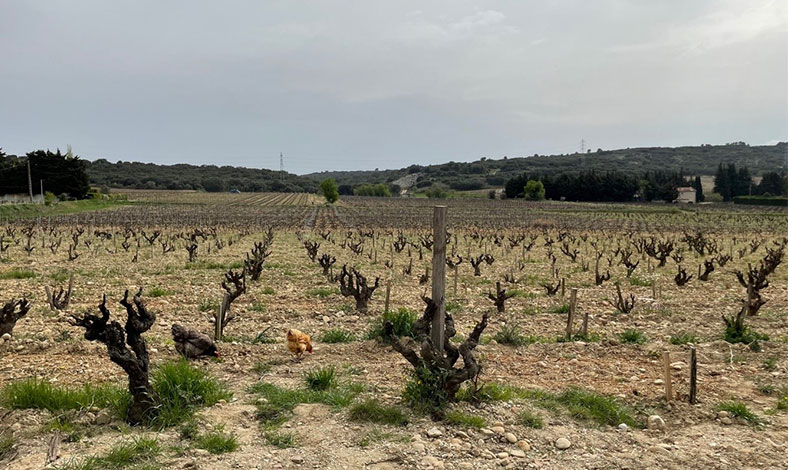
[(365, 84)]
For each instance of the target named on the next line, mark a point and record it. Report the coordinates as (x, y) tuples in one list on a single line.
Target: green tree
[(534, 191), (722, 183), (698, 187), (376, 190), (773, 183), (330, 190), (436, 192)]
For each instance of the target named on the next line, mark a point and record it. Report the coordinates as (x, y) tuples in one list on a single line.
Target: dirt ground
[(46, 346)]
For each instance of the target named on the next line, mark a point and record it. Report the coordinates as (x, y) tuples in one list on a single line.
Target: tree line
[(730, 183), (63, 174), (592, 185)]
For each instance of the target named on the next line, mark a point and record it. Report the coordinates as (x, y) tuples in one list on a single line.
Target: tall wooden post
[(693, 392), (439, 275), (388, 296)]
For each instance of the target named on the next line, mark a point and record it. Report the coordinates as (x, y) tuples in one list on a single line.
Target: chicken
[(298, 343), (192, 344)]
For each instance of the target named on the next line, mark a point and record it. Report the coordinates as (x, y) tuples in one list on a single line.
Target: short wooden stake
[(668, 384), (388, 296), (563, 286), (571, 318), (693, 392)]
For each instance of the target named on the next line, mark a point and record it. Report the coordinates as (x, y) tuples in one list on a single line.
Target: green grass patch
[(7, 443), (182, 389), (746, 336), (636, 281), (424, 391), (337, 335), (402, 320), (208, 305), (321, 378), (519, 293), (282, 440), (458, 418), (24, 211), (510, 334), (137, 454), (530, 420), (71, 431), (157, 291), (782, 399), (375, 412), (258, 306), (268, 291), (487, 393), (453, 306), (322, 292), (562, 308), (42, 395), (737, 409), (217, 441), (632, 337), (277, 403), (17, 273), (377, 435), (683, 338)]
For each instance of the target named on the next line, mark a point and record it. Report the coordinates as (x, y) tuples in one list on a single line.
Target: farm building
[(686, 195)]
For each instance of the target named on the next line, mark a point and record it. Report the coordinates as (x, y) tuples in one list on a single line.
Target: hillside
[(183, 176), (484, 173)]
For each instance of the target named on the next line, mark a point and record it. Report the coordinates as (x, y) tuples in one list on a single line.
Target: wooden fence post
[(439, 276), (571, 318), (668, 384), (693, 392)]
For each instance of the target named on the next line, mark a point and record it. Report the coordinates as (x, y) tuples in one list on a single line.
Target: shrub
[(424, 391), (338, 335), (632, 337), (745, 335), (321, 378), (402, 320), (373, 411)]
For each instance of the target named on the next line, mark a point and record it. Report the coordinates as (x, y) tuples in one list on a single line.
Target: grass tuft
[(684, 338), (632, 337), (402, 320), (458, 418), (42, 395), (137, 454), (182, 389), (737, 409), (375, 412), (157, 291), (338, 335), (510, 334), (217, 442), (17, 273), (322, 292), (530, 420), (321, 379)]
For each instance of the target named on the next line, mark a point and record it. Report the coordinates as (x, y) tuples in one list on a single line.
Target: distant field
[(227, 199)]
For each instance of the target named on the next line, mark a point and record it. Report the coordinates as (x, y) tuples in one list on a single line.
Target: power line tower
[(582, 146), (281, 166)]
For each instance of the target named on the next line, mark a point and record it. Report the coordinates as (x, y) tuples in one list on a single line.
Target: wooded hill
[(210, 178), (486, 173)]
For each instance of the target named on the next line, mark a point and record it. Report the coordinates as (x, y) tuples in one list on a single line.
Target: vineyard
[(571, 331)]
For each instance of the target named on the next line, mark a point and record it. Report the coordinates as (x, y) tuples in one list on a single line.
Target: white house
[(686, 195)]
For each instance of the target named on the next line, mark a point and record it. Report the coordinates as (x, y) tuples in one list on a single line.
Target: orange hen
[(298, 343)]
